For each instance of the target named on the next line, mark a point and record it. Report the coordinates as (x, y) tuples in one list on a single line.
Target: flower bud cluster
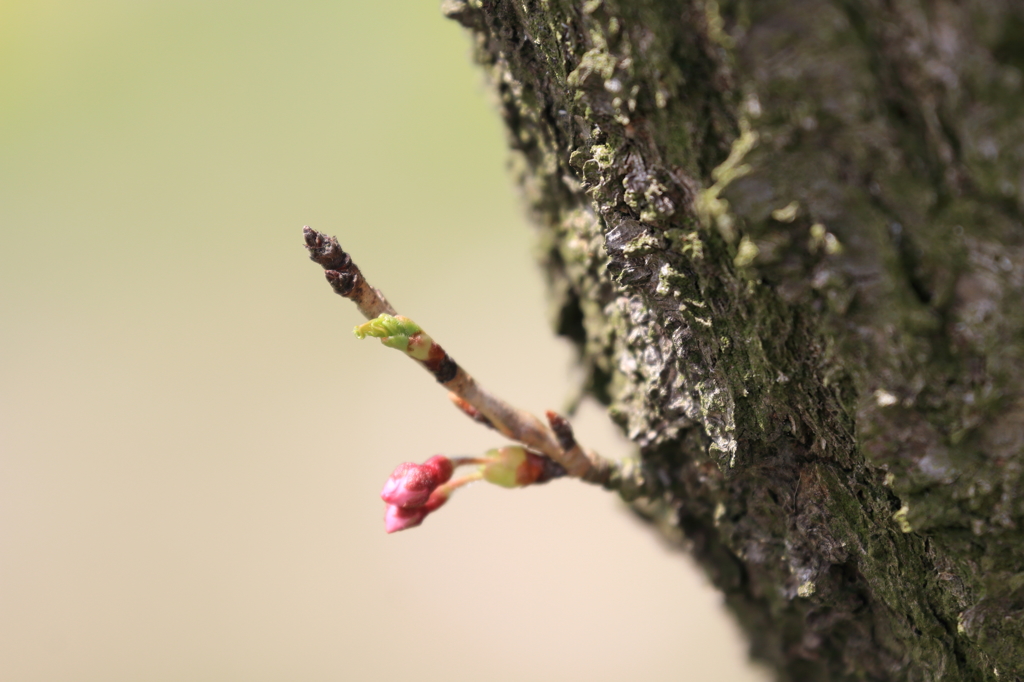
[(415, 490)]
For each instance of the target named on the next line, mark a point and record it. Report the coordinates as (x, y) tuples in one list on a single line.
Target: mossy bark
[(823, 372)]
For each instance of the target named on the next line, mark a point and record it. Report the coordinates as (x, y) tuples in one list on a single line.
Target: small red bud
[(410, 485), (398, 518), (441, 466)]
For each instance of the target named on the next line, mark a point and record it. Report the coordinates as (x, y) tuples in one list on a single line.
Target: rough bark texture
[(830, 395)]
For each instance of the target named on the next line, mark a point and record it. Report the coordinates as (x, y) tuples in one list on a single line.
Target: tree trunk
[(786, 237)]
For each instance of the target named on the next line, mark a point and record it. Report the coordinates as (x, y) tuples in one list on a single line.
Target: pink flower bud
[(397, 518), (410, 485), (441, 466)]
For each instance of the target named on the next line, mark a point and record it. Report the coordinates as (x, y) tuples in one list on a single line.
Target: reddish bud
[(441, 466), (397, 518), (410, 485), (563, 430)]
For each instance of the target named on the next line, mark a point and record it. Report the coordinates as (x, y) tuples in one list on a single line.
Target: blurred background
[(192, 442)]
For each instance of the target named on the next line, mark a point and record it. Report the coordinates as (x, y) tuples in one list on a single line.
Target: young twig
[(556, 442)]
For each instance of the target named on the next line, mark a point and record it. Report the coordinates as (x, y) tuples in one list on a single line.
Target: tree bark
[(824, 371)]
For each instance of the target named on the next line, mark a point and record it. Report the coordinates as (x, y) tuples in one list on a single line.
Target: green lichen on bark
[(825, 374)]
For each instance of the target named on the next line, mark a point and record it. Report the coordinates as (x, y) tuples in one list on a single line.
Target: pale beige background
[(191, 440)]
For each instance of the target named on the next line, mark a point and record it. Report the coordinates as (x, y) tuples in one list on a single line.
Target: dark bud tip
[(563, 430), (325, 250), (311, 236)]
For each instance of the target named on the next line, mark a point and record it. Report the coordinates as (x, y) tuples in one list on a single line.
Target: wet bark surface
[(824, 370)]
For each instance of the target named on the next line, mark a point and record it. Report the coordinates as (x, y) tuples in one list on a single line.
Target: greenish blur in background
[(192, 442)]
